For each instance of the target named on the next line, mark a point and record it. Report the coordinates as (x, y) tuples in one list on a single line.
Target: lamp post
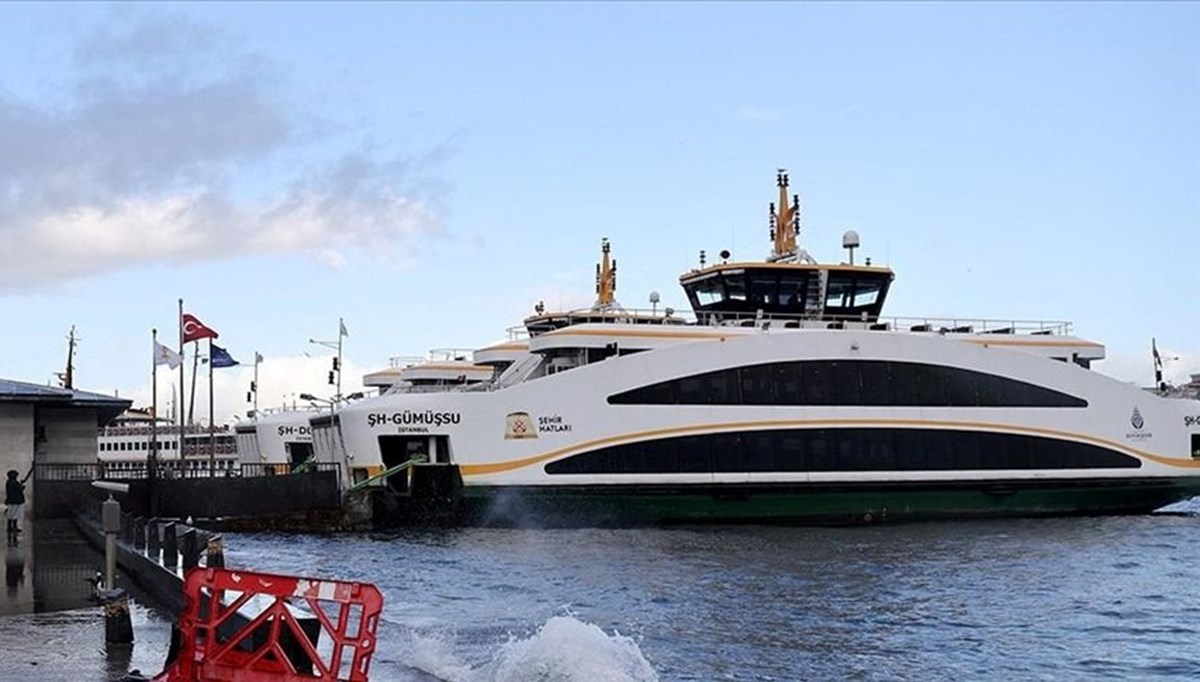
[(337, 362), (332, 403), (314, 399)]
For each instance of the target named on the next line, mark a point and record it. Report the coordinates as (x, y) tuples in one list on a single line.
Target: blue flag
[(221, 357)]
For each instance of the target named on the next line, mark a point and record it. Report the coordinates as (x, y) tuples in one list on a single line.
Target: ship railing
[(800, 320), (252, 469), (175, 469), (516, 333), (937, 325), (163, 430), (435, 355), (66, 472), (429, 388)]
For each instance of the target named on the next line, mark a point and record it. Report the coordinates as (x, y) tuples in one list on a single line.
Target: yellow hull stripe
[(504, 346), (637, 333), (646, 334), (512, 465), (1013, 342)]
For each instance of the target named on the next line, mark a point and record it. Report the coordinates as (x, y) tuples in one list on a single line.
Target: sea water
[(1066, 598)]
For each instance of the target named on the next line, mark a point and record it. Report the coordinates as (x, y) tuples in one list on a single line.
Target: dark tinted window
[(857, 449), (847, 382)]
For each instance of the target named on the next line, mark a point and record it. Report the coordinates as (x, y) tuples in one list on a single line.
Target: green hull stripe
[(832, 503)]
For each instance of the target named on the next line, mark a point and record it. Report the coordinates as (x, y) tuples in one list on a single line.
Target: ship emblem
[(519, 425), (1136, 420)]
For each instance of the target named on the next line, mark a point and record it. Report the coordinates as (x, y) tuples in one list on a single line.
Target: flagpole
[(192, 391), (212, 438), (152, 458), (182, 384)]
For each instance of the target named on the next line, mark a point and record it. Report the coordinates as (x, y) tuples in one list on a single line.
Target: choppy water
[(1078, 598)]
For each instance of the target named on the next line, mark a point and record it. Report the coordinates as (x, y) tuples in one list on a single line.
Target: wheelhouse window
[(855, 294)]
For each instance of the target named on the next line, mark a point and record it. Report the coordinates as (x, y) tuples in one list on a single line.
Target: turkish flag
[(194, 330)]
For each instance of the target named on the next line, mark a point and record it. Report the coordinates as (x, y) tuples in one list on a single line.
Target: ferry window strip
[(882, 383), (825, 450)]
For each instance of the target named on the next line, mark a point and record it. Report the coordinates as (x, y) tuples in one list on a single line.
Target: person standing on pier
[(14, 500)]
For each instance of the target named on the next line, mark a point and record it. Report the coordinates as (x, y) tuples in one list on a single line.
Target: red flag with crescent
[(194, 330)]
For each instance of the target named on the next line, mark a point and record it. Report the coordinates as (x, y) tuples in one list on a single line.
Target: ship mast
[(606, 277), (68, 377), (785, 221)]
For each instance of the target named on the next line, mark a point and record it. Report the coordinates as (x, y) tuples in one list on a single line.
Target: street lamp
[(314, 400), (337, 361)]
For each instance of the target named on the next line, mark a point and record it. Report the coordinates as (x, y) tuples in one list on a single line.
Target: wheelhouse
[(797, 290)]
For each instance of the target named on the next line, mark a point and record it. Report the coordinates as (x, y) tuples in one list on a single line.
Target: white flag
[(166, 356), (257, 357), (343, 328)]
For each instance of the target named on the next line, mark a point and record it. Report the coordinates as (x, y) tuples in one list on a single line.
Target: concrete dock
[(49, 626)]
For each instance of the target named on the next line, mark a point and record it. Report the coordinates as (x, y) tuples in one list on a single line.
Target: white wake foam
[(562, 650)]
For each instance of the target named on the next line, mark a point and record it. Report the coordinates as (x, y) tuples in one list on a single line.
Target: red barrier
[(251, 627)]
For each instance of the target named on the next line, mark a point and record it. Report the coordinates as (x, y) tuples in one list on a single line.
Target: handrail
[(388, 473), (735, 318)]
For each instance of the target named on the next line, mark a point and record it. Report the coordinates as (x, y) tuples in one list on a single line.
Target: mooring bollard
[(118, 627), (127, 529), (170, 546), (189, 549), (153, 538), (215, 553), (139, 533), (110, 522)]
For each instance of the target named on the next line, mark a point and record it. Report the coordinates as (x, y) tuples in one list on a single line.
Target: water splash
[(1187, 507), (433, 655), (563, 649), (566, 650)]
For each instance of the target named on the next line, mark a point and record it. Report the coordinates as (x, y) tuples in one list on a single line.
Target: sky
[(429, 172)]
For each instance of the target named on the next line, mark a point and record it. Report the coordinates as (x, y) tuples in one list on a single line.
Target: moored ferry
[(787, 396), (124, 446), (274, 441)]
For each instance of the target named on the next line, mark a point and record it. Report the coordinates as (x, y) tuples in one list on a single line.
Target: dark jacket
[(14, 492)]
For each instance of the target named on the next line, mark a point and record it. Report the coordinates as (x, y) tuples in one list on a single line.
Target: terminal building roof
[(107, 407)]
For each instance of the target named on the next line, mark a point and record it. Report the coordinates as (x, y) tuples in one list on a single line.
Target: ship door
[(298, 453), (396, 450)]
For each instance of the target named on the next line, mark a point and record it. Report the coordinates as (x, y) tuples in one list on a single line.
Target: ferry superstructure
[(124, 446), (789, 398), (275, 441)]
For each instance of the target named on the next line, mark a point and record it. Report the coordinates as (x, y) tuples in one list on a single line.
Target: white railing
[(946, 325)]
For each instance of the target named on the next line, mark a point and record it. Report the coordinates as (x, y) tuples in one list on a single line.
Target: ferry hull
[(833, 504)]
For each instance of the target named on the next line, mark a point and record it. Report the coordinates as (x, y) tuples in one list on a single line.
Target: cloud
[(168, 148)]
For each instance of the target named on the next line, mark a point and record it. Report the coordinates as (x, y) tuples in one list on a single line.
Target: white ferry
[(125, 445), (442, 368), (274, 441), (788, 397)]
